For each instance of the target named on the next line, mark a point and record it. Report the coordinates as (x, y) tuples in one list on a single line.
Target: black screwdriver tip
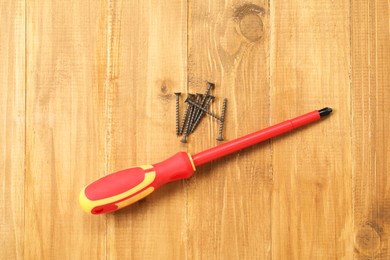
[(325, 111)]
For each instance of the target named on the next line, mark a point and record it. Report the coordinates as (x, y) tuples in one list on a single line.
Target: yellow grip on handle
[(120, 189), (117, 190)]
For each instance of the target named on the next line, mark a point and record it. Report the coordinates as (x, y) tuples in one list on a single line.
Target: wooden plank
[(310, 60), (229, 200), (12, 128), (100, 78), (147, 63), (370, 133), (65, 136)]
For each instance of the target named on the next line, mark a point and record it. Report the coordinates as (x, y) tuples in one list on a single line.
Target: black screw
[(205, 110), (191, 113), (219, 138), (206, 95), (185, 114), (177, 113), (210, 85), (194, 113), (210, 98), (187, 125), (197, 120)]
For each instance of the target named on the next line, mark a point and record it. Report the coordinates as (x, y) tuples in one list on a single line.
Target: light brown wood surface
[(87, 88)]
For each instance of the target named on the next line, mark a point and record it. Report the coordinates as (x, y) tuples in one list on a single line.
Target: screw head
[(210, 84), (190, 97), (184, 139)]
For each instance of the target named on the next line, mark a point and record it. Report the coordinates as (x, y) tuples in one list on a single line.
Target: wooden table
[(87, 88)]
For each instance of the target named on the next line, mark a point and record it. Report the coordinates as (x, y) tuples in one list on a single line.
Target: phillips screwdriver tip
[(325, 111)]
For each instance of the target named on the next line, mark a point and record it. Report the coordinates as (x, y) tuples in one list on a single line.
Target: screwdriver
[(120, 189)]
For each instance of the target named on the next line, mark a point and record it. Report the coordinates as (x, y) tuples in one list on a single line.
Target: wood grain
[(146, 64), (12, 128), (87, 88), (229, 200), (370, 131), (310, 61), (65, 131)]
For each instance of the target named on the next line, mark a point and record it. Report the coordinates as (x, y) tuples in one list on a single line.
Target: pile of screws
[(197, 107)]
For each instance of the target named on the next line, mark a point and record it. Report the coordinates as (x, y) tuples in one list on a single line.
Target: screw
[(194, 113), (185, 114), (191, 114), (177, 113), (210, 85), (197, 120), (206, 95), (205, 110), (210, 99), (219, 138), (187, 125)]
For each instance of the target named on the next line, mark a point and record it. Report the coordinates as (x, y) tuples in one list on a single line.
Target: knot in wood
[(249, 21), (367, 240)]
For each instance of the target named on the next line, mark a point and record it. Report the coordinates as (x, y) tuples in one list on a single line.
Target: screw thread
[(206, 95), (194, 113), (205, 110), (177, 113), (220, 138), (201, 114), (184, 119), (186, 132), (183, 122)]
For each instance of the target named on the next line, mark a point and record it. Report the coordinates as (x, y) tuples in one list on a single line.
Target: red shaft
[(254, 138)]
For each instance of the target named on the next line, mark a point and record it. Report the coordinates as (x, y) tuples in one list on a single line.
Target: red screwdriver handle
[(122, 188)]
